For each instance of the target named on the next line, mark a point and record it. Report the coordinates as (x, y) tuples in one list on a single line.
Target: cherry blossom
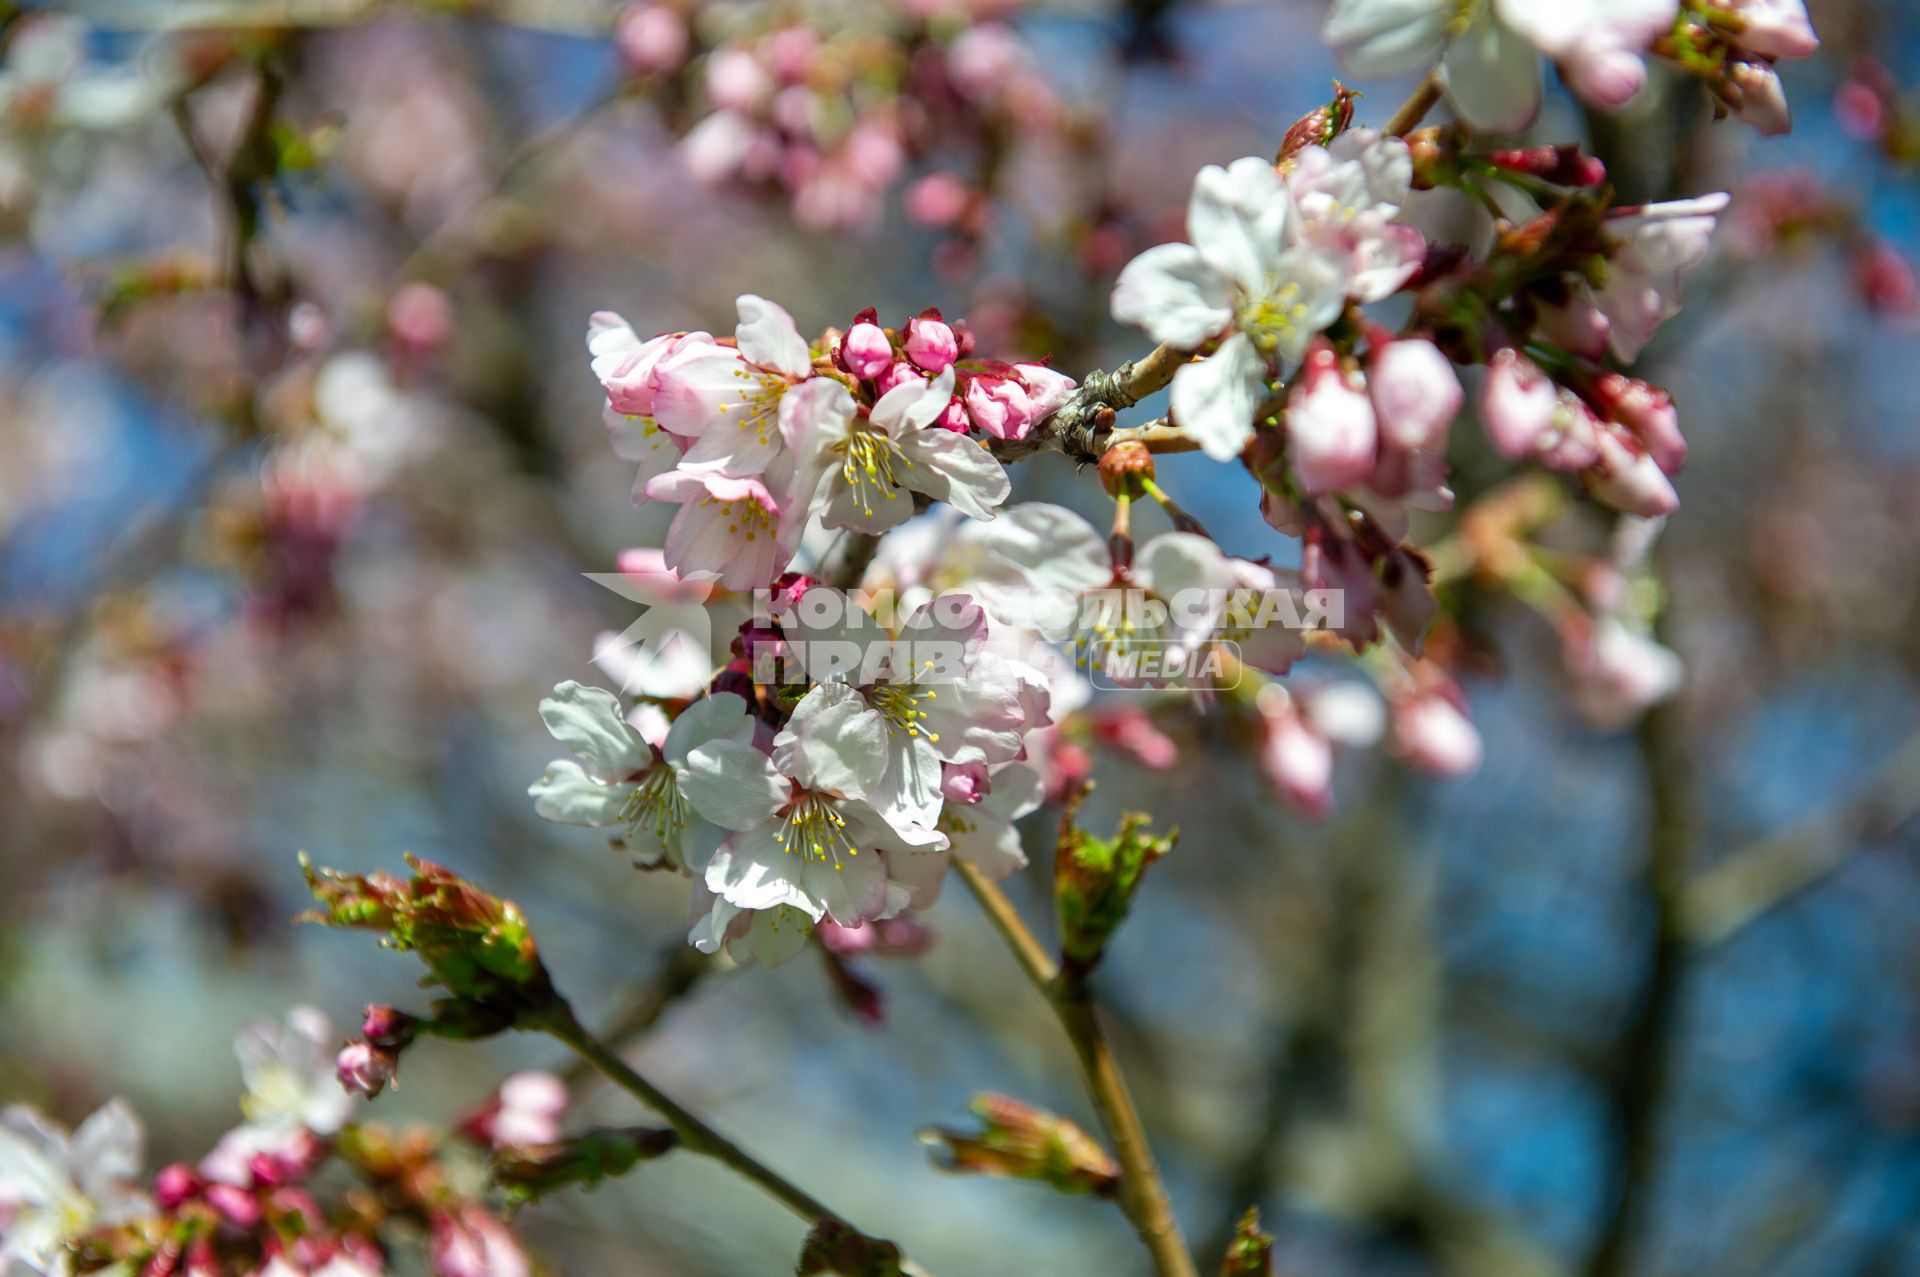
[(1490, 49), (1248, 277), (622, 781), (804, 831), (939, 698), (860, 465), (56, 1187)]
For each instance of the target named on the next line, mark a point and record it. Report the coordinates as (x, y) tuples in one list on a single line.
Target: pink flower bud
[(904, 936), (176, 1184), (236, 1205), (1885, 278), (1298, 761), (954, 417), (1517, 403), (1619, 673), (1434, 735), (931, 343), (1331, 435), (866, 351), (1416, 393), (1000, 406), (1048, 389), (1758, 98), (388, 1026), (901, 373), (420, 317), (938, 199), (652, 38), (1573, 441), (1628, 479), (364, 1069), (1648, 411)]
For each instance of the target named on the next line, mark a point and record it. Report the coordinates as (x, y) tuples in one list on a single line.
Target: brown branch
[(681, 969), (694, 1134), (1643, 1054), (1762, 876), (1423, 99), (1143, 1197)]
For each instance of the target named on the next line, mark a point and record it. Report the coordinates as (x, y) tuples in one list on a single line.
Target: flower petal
[(588, 721), (732, 784), (1174, 295), (1214, 400)]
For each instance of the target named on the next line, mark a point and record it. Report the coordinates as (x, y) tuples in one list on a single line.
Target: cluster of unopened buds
[(268, 1200), (832, 110)]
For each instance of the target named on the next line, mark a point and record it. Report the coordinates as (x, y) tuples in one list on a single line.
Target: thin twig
[(1423, 99), (681, 969), (1143, 1196), (695, 1135), (1760, 877)]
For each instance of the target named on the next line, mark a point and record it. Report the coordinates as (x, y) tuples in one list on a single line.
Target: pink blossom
[(736, 81), (866, 350), (954, 417), (1759, 99), (1416, 394), (931, 343), (1885, 278), (904, 936), (728, 528), (526, 1111), (899, 375), (938, 199), (1131, 729), (1331, 435), (468, 1242), (1655, 245)]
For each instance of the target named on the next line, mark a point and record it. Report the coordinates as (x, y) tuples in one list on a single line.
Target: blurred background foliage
[(277, 576)]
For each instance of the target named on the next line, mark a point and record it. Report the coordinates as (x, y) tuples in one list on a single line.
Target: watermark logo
[(1131, 665)]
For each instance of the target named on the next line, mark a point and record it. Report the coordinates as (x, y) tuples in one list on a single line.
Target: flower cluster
[(255, 1205), (756, 436), (1491, 49), (829, 775)]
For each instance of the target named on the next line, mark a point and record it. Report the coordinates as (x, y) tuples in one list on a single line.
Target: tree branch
[(1142, 1194), (1423, 99), (694, 1134)]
